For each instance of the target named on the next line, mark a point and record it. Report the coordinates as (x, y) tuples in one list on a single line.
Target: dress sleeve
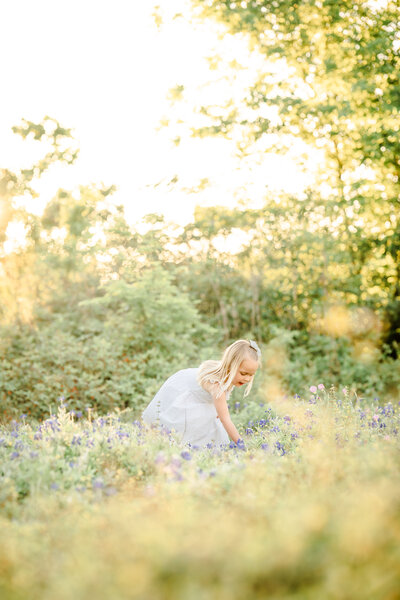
[(213, 387)]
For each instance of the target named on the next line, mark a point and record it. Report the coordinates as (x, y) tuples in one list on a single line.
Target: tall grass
[(104, 507)]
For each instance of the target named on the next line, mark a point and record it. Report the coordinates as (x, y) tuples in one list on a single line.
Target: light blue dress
[(183, 405)]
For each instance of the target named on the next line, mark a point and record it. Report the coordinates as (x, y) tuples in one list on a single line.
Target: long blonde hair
[(224, 371)]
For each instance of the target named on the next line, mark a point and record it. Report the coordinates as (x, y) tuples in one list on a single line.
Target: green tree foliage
[(101, 312), (109, 352), (87, 310), (340, 95)]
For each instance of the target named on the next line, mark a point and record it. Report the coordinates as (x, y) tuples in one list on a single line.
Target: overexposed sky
[(104, 69)]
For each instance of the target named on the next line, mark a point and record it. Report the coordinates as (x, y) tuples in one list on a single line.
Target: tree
[(343, 98)]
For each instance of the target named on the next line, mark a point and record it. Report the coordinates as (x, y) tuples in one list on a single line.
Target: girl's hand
[(239, 444)]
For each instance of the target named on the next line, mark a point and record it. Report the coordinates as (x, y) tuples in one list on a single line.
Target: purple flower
[(249, 431), (240, 444), (313, 389), (321, 386), (160, 458), (97, 483), (54, 486), (186, 455)]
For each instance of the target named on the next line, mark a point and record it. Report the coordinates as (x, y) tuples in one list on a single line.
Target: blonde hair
[(224, 371)]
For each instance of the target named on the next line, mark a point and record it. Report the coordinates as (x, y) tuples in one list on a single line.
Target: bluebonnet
[(97, 484), (240, 444), (280, 447)]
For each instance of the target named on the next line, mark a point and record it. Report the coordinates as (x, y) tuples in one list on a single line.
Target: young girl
[(194, 401)]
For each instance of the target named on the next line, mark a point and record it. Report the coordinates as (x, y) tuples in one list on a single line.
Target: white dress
[(183, 405)]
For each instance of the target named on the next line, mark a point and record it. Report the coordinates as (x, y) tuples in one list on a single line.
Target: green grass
[(104, 507)]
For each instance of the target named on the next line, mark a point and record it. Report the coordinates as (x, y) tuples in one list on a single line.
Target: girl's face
[(245, 372)]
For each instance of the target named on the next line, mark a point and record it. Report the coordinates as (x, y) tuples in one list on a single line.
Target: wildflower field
[(307, 506)]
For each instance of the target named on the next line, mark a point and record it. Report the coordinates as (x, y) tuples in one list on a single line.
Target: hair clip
[(255, 347)]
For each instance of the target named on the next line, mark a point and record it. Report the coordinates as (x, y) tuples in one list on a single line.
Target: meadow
[(307, 506), (261, 159)]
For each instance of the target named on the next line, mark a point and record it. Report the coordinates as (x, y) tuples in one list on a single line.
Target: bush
[(113, 351)]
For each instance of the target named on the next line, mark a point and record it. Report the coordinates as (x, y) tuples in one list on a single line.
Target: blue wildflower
[(240, 444), (186, 455), (97, 484)]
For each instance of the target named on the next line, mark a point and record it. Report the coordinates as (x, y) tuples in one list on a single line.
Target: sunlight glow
[(15, 236), (115, 96)]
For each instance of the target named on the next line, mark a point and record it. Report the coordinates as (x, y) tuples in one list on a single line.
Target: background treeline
[(100, 312)]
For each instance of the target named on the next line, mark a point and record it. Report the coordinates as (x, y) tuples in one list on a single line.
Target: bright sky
[(103, 69)]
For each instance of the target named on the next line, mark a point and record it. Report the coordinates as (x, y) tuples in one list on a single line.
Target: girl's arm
[(222, 409)]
